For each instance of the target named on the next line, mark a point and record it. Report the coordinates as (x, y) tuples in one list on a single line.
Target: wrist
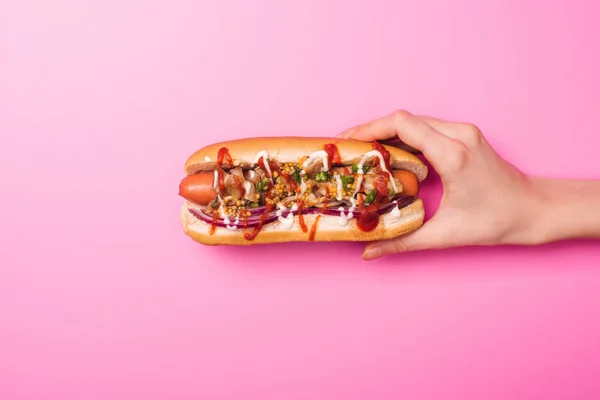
[(562, 209)]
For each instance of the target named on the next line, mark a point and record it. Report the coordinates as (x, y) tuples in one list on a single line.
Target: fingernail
[(372, 254), (348, 133)]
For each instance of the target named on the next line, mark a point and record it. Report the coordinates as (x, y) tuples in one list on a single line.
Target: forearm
[(568, 209)]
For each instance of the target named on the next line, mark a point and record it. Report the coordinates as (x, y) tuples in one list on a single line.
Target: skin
[(486, 201)]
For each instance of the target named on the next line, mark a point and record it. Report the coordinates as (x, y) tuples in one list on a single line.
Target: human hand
[(486, 200)]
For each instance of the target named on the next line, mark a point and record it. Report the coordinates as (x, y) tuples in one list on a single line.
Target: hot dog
[(283, 189), (198, 188)]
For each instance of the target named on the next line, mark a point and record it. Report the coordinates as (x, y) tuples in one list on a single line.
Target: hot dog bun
[(292, 148), (407, 168), (328, 229)]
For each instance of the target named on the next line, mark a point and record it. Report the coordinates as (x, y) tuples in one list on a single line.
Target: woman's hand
[(486, 200)]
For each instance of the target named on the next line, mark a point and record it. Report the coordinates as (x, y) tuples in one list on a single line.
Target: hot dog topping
[(223, 157), (316, 181)]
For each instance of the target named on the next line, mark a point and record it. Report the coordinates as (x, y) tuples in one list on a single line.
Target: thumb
[(429, 236)]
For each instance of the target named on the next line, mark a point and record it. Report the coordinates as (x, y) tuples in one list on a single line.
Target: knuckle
[(457, 158), (471, 134), (400, 246), (400, 115)]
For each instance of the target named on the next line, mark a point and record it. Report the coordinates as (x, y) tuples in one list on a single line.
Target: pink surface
[(101, 295)]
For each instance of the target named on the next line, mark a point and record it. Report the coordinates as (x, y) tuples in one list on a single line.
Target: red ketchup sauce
[(272, 166), (223, 156), (275, 168), (381, 184), (291, 182), (368, 218), (313, 229), (221, 180), (244, 219), (384, 153), (333, 154), (301, 217), (252, 235), (237, 183), (326, 202), (213, 227)]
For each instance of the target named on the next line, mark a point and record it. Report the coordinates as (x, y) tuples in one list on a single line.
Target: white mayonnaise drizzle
[(219, 198), (247, 188), (302, 188), (280, 209), (286, 221), (207, 159), (227, 222), (221, 209), (265, 157), (375, 153), (396, 211), (344, 218), (318, 154), (340, 193)]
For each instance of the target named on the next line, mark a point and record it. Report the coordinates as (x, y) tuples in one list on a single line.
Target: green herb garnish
[(371, 197), (347, 179), (296, 175), (263, 185), (254, 205), (322, 176), (365, 168)]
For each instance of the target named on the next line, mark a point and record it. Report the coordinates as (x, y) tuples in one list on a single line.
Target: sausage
[(198, 188), (410, 182)]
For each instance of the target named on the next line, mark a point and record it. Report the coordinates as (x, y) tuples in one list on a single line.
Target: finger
[(378, 129), (359, 131), (448, 128), (410, 129), (464, 132), (440, 125), (349, 133), (430, 236)]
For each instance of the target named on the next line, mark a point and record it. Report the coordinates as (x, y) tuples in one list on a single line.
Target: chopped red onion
[(254, 219)]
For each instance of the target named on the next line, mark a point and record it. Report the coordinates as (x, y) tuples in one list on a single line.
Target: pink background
[(101, 294)]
